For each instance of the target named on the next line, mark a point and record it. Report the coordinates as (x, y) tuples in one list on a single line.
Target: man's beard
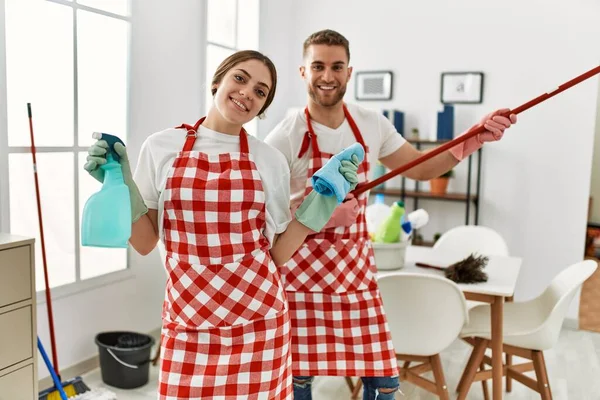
[(330, 101)]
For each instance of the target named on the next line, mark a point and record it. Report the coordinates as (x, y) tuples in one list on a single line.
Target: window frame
[(79, 285), (235, 48)]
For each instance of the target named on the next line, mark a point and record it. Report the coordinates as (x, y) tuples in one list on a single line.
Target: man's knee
[(303, 382), (385, 386)]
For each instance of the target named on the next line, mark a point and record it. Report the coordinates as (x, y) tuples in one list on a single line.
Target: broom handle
[(367, 186), (39, 209), (423, 265)]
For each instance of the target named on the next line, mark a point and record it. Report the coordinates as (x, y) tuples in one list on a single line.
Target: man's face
[(326, 73)]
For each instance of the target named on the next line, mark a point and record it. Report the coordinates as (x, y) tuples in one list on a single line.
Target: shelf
[(425, 195)]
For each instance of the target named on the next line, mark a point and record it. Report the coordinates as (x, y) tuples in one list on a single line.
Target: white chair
[(425, 314), (467, 239), (529, 328)]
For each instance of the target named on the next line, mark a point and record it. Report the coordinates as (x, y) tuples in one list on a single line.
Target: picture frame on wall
[(461, 88), (374, 85)]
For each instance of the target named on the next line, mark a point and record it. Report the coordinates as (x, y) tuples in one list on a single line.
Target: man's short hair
[(329, 38)]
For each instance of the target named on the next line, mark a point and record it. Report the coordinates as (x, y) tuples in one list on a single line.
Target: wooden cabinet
[(18, 337)]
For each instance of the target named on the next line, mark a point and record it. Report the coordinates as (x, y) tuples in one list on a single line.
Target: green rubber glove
[(349, 169), (316, 209), (97, 157)]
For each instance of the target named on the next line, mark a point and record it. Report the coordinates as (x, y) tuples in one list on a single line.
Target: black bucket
[(124, 358)]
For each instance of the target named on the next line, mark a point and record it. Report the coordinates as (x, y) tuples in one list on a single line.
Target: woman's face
[(243, 91)]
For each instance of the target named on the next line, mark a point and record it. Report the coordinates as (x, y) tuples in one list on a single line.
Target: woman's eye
[(261, 93), (238, 78)]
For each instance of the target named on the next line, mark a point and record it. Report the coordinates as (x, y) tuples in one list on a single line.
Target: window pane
[(248, 19), (39, 68), (221, 22), (102, 46), (120, 7), (214, 56), (95, 261), (55, 177)]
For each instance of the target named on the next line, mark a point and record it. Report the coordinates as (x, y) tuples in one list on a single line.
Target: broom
[(61, 393), (470, 268), (75, 385), (474, 131)]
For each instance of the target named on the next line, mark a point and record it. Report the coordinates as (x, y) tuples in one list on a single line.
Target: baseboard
[(85, 366)]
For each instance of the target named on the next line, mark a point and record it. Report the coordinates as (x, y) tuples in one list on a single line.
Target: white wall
[(535, 181), (166, 77), (595, 183)]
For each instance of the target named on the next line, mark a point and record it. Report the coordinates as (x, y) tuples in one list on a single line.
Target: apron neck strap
[(192, 134), (311, 138)]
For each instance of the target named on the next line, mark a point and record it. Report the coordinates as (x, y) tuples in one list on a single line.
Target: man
[(339, 326)]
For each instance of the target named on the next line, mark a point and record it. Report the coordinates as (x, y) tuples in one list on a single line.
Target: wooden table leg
[(497, 311)]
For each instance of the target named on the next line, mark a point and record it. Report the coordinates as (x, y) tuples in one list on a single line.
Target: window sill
[(86, 285)]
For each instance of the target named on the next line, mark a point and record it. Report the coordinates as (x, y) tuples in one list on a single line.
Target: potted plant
[(439, 185)]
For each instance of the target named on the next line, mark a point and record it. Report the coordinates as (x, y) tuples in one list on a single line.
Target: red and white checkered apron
[(338, 324), (226, 330)]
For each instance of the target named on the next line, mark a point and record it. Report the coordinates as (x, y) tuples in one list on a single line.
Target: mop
[(76, 385), (469, 270)]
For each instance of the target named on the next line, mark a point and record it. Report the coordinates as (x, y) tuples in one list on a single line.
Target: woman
[(219, 201)]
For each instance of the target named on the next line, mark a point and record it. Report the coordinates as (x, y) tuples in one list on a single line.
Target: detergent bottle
[(389, 229), (106, 218)]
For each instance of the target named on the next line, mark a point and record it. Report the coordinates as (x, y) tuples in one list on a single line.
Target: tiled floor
[(573, 368)]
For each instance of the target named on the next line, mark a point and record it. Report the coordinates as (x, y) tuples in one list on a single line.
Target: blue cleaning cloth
[(328, 181)]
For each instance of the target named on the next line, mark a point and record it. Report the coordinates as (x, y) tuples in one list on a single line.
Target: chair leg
[(542, 375), (508, 378), (350, 383), (440, 380), (484, 385), (471, 368), (357, 388), (469, 365)]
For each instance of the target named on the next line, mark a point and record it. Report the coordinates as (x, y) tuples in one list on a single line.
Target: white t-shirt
[(379, 135), (160, 149)]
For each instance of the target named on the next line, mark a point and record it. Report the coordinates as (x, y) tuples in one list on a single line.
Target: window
[(69, 59), (232, 25)]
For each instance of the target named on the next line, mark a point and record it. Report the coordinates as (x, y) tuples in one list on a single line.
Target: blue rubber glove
[(336, 177)]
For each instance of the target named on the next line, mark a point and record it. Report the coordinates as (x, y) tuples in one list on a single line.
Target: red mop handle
[(367, 186), (39, 209)]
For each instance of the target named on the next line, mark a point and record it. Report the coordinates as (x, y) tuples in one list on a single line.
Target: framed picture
[(461, 87), (374, 85)]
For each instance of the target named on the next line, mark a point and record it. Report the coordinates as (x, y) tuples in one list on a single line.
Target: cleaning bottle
[(389, 230), (376, 213), (106, 219)]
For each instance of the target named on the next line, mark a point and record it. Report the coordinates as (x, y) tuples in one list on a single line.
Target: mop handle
[(43, 243), (480, 129)]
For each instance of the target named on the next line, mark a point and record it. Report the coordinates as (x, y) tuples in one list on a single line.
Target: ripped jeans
[(371, 386)]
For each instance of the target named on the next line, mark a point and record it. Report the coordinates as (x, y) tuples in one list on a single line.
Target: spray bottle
[(106, 219), (389, 230)]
